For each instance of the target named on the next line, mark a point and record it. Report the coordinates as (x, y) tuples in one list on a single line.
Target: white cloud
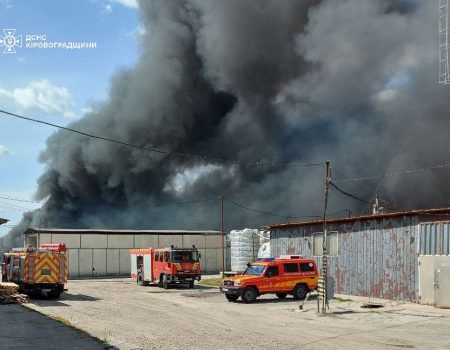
[(127, 3), (7, 4), (5, 151), (41, 95)]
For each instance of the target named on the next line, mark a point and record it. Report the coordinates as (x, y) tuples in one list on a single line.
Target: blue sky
[(55, 85)]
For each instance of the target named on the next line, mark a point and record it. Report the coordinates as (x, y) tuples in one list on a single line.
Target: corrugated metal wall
[(435, 238), (376, 258)]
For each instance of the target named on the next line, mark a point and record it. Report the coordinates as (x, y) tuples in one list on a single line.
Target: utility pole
[(324, 254), (223, 237)]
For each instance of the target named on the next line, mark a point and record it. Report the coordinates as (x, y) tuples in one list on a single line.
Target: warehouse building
[(100, 253), (387, 255)]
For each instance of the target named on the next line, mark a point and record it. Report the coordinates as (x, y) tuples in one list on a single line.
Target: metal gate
[(434, 264), (442, 282), (434, 280)]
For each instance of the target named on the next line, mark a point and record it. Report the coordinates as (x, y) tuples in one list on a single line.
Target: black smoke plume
[(352, 81)]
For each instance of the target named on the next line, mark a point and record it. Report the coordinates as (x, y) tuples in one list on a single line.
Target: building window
[(156, 256), (332, 243)]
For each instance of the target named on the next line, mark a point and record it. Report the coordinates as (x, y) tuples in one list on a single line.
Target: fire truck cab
[(165, 266)]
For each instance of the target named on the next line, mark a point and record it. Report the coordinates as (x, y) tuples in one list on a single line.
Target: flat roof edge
[(118, 232), (365, 217)]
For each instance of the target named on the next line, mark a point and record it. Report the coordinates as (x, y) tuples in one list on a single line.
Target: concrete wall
[(103, 254)]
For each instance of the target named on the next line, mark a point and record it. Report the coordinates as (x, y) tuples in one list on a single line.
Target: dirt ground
[(128, 316)]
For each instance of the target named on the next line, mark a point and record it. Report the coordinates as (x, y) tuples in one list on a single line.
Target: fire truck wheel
[(53, 295), (249, 295), (165, 282), (300, 292), (191, 284), (231, 297), (140, 280), (281, 295)]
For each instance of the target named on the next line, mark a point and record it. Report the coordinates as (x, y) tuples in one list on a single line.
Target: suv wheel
[(300, 292), (281, 295), (231, 297), (249, 295)]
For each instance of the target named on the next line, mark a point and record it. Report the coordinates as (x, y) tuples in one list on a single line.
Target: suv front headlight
[(237, 283)]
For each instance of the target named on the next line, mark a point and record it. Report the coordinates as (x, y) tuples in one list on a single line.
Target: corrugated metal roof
[(120, 232), (365, 217)]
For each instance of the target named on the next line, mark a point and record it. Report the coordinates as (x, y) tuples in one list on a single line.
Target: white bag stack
[(244, 246)]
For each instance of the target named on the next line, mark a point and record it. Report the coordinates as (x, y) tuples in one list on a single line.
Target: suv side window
[(272, 271), (306, 267), (290, 267)]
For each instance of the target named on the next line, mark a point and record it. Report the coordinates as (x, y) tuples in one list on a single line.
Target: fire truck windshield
[(255, 270), (184, 256)]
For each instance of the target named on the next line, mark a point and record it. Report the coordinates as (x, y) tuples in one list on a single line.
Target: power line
[(269, 213), (174, 203), (439, 166), (155, 150), (348, 194), (18, 199)]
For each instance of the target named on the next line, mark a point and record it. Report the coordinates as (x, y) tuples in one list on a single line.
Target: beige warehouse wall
[(190, 240), (112, 261), (72, 259), (45, 238), (70, 240), (121, 241), (168, 240), (99, 262), (109, 254), (85, 262), (93, 241), (125, 262), (146, 241)]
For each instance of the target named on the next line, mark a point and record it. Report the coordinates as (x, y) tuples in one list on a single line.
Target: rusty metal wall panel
[(376, 258)]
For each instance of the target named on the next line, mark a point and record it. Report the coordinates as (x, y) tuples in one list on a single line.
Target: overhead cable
[(348, 194), (18, 200), (439, 166), (269, 213), (156, 150)]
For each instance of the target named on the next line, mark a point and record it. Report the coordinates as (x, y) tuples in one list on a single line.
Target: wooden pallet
[(14, 299), (8, 288)]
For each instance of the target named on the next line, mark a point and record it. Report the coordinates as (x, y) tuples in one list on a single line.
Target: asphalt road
[(22, 328), (128, 316)]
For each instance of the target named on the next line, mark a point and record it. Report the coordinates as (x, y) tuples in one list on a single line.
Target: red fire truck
[(165, 266), (37, 270)]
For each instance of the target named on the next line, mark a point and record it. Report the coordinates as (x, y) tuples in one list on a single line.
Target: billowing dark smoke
[(352, 81)]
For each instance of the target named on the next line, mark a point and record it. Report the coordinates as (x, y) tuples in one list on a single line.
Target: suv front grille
[(228, 283)]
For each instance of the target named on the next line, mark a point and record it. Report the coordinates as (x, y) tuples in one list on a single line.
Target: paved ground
[(25, 329), (133, 317)]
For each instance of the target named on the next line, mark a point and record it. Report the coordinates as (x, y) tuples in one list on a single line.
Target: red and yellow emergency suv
[(37, 270), (165, 266), (288, 275)]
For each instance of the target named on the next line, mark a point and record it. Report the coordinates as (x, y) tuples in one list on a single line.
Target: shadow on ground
[(44, 301)]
